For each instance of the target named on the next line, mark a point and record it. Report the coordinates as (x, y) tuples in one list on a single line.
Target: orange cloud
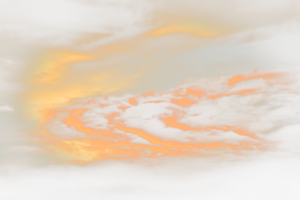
[(116, 127)]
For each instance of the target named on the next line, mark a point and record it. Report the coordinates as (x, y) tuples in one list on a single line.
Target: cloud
[(6, 108), (287, 138), (66, 22), (73, 22), (10, 70), (286, 28), (30, 149), (41, 75), (264, 178), (101, 34), (232, 16), (203, 117), (292, 64), (94, 57)]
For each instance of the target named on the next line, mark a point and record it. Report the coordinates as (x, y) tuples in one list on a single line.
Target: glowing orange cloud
[(116, 139)]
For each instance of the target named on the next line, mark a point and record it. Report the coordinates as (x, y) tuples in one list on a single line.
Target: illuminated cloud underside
[(149, 99), (226, 115)]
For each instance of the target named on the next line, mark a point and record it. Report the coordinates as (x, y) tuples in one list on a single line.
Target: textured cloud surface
[(148, 99), (200, 118), (264, 178)]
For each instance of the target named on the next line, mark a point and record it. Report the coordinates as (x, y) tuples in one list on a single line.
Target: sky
[(143, 99)]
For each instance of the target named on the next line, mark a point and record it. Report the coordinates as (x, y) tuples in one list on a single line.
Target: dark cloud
[(261, 179)]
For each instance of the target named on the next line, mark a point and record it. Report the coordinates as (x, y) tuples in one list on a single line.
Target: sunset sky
[(149, 99)]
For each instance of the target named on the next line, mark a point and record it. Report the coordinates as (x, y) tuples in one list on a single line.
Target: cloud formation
[(264, 178), (199, 118), (6, 108), (66, 22), (83, 68), (98, 22), (30, 149), (8, 69), (92, 35)]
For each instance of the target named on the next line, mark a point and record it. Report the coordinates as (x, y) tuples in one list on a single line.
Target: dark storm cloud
[(261, 179)]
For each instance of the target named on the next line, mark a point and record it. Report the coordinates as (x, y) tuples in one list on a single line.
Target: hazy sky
[(144, 99)]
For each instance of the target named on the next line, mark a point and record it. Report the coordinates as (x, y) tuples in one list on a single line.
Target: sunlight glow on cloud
[(199, 118), (149, 99)]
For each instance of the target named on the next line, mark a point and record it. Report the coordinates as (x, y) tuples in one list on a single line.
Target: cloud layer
[(199, 118), (76, 73), (265, 178), (6, 108)]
